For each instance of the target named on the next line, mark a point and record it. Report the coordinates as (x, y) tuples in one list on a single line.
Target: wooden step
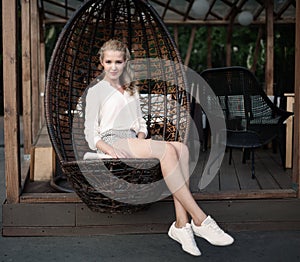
[(71, 219)]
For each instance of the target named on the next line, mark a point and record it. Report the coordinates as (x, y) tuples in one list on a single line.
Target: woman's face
[(113, 63)]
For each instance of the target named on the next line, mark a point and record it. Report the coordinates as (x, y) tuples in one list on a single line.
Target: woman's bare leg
[(175, 172), (175, 169), (182, 154)]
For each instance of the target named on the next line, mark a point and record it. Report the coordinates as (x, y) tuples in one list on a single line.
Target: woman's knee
[(181, 148), (185, 149), (170, 151)]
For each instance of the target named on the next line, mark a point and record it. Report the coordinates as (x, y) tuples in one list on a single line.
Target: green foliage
[(243, 44), (51, 35)]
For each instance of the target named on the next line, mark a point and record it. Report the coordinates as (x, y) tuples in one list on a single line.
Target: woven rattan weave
[(75, 64)]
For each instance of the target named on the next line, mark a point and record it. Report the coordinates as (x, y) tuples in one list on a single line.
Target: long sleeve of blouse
[(107, 108)]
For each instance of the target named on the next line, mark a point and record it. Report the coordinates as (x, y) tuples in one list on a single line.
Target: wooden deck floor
[(231, 182), (235, 180)]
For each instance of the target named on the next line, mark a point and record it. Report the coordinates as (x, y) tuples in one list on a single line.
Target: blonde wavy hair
[(126, 78)]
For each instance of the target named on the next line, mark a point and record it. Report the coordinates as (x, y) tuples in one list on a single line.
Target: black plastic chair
[(252, 119)]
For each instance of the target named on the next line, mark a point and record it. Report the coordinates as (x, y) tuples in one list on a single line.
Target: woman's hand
[(106, 148), (114, 152), (141, 135)]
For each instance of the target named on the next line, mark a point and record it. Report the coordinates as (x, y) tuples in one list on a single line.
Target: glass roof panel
[(221, 9), (251, 6), (177, 9), (54, 9), (290, 12), (170, 15), (159, 9), (179, 5)]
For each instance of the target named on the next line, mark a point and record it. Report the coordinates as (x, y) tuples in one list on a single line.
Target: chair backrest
[(243, 100), (75, 63)]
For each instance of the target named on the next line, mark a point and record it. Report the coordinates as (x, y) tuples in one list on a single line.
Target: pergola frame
[(33, 81)]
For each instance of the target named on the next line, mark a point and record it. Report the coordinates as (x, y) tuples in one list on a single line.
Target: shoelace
[(213, 225)]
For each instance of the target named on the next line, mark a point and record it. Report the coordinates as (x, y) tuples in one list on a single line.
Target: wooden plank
[(10, 90), (229, 42), (38, 215), (209, 22), (228, 178), (25, 170), (214, 185), (42, 76), (269, 71), (272, 163), (261, 210), (209, 47), (290, 101), (49, 198), (26, 75), (244, 173), (85, 231), (76, 219), (152, 215), (296, 152), (175, 27), (198, 170), (243, 194), (246, 194), (263, 177), (257, 49), (190, 46), (142, 229), (35, 96), (262, 226)]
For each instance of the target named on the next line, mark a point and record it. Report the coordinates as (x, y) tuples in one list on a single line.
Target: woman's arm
[(143, 131), (91, 118), (114, 152), (106, 148)]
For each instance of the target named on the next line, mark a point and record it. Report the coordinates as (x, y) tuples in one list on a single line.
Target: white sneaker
[(210, 231), (185, 237)]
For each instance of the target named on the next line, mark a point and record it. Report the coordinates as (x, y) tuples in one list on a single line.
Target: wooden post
[(35, 96), (190, 47), (26, 76), (228, 43), (290, 103), (11, 113), (42, 78), (269, 71), (209, 47), (296, 153), (176, 36), (257, 47)]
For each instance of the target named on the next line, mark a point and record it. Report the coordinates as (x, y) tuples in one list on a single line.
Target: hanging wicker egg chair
[(75, 64)]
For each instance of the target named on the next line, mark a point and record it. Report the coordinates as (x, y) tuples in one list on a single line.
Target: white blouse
[(107, 108)]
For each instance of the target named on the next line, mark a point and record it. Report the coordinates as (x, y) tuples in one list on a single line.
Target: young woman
[(114, 126)]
